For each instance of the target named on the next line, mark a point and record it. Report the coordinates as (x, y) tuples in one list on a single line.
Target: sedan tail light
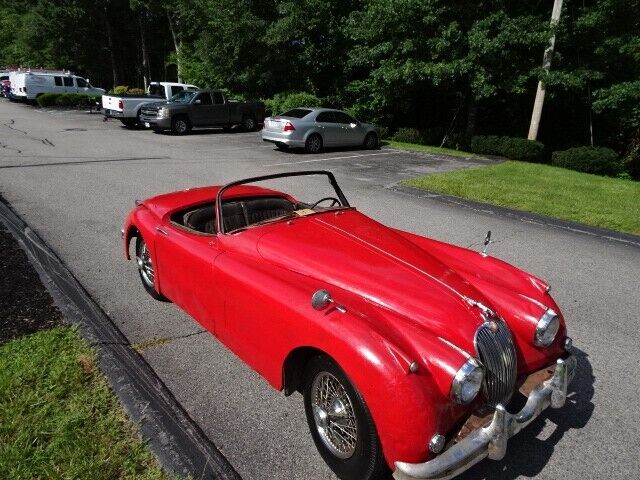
[(288, 127)]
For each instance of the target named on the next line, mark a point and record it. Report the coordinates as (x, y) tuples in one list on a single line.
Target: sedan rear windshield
[(297, 113)]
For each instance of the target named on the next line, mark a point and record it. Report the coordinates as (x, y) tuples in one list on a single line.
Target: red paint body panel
[(404, 295)]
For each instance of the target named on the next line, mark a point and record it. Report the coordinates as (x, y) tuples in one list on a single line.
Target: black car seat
[(203, 218), (261, 209)]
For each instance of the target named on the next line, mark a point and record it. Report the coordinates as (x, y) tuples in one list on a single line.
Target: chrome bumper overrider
[(491, 441)]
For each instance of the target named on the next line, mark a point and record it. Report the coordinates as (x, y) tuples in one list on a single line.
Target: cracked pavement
[(76, 188)]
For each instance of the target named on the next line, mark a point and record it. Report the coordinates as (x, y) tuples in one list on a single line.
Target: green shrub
[(119, 90), (522, 149), (66, 99), (632, 157), (47, 99), (408, 135), (135, 91), (384, 132), (283, 102), (596, 160), (486, 144), (427, 136), (511, 147)]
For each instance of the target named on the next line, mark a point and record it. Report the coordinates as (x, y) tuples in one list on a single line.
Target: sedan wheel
[(371, 141), (340, 423), (146, 269), (313, 143)]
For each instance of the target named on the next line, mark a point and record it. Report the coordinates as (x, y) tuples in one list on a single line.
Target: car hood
[(359, 255)]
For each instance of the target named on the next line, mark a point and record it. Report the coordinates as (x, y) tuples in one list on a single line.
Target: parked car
[(5, 88), (27, 86), (407, 350), (315, 128), (206, 108), (126, 108)]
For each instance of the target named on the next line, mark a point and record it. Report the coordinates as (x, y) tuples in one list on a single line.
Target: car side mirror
[(353, 125), (197, 102)]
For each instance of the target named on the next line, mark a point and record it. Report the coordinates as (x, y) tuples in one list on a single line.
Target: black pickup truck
[(203, 108)]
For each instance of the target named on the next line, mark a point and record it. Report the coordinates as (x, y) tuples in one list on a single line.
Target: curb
[(181, 446), (528, 217)]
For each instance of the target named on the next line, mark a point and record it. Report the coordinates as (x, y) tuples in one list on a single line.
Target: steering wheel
[(334, 201)]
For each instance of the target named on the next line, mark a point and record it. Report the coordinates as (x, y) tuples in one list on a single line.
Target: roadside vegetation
[(66, 100), (416, 147), (58, 417), (580, 197)]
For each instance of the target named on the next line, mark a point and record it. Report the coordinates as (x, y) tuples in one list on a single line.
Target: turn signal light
[(288, 127)]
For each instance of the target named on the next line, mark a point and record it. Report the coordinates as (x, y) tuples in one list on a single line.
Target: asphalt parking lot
[(73, 178)]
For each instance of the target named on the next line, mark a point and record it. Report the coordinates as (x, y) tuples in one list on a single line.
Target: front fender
[(141, 221), (407, 408)]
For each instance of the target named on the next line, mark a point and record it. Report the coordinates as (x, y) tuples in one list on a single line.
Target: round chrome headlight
[(467, 382), (547, 329)]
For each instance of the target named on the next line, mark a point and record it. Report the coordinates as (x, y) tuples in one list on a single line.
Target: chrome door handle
[(162, 231)]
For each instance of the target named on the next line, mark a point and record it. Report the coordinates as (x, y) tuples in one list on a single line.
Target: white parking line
[(328, 158)]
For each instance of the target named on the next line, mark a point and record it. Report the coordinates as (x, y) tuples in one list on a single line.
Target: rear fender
[(311, 131)]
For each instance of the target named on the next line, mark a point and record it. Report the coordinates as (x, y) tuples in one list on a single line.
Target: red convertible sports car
[(413, 355)]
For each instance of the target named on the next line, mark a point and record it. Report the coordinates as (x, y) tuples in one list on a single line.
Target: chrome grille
[(498, 355), (149, 111)]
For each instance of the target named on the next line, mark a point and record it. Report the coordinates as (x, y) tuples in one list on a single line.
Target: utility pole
[(546, 65)]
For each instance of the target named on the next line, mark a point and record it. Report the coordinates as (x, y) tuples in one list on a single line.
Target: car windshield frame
[(178, 97), (332, 181)]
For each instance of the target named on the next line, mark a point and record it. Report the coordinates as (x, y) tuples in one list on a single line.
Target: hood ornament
[(487, 312), (487, 242)]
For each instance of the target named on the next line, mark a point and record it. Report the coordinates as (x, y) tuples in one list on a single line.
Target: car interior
[(236, 214)]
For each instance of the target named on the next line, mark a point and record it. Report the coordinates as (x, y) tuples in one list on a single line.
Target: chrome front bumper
[(491, 441)]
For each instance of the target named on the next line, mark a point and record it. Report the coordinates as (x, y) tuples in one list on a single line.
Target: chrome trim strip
[(491, 441)]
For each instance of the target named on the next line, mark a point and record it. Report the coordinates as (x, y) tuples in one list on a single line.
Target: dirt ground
[(25, 305)]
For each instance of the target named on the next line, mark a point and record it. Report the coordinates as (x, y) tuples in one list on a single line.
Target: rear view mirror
[(197, 102)]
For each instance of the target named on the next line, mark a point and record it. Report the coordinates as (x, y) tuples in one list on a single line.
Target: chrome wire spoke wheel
[(334, 417), (145, 265)]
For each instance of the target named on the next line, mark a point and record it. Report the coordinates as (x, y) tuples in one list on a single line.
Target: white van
[(27, 86)]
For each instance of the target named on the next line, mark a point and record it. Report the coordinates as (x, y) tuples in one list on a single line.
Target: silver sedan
[(315, 128)]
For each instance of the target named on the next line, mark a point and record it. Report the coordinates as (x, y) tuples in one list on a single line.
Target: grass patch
[(58, 417), (428, 148), (600, 201)]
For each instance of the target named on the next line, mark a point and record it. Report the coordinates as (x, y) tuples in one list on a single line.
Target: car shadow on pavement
[(301, 151), (530, 450)]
